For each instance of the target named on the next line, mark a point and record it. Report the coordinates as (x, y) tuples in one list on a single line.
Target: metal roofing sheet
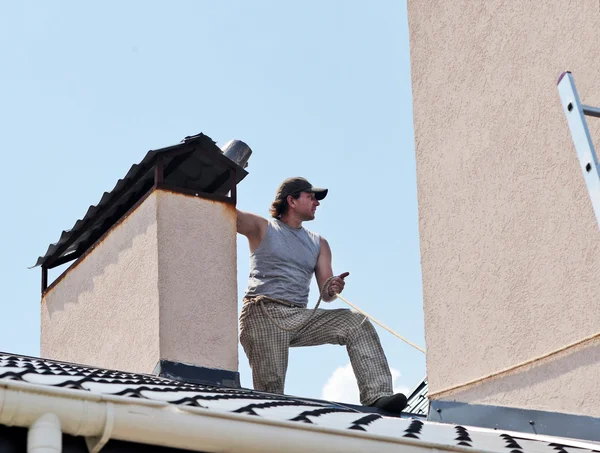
[(418, 403), (196, 164), (76, 380)]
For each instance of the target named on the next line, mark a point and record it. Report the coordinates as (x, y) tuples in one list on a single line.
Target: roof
[(196, 164), (54, 373), (417, 399), (79, 380)]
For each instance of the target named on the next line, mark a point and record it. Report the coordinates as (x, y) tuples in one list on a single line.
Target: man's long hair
[(279, 207)]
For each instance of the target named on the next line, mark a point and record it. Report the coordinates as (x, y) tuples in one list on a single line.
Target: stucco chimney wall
[(161, 285), (509, 243), (197, 281)]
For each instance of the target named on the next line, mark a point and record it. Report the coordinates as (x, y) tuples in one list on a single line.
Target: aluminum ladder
[(576, 112)]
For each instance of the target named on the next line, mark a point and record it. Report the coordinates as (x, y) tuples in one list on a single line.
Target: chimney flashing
[(194, 374), (516, 419)]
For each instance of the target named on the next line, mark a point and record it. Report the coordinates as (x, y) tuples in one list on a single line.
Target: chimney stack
[(153, 287)]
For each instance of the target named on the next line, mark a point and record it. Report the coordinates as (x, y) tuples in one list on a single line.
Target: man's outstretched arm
[(323, 271), (253, 227)]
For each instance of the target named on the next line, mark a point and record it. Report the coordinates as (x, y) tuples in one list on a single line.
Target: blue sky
[(317, 89)]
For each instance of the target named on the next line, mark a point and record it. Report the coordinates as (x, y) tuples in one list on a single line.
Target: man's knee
[(355, 320), (356, 324)]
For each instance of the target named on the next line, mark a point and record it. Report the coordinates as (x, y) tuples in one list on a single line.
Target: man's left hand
[(336, 285)]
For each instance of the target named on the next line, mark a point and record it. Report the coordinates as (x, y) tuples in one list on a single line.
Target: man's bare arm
[(253, 227), (323, 271)]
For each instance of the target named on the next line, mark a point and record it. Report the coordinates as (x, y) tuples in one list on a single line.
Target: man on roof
[(283, 258)]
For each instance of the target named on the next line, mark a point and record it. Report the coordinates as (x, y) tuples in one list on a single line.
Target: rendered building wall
[(197, 281), (160, 285), (510, 246)]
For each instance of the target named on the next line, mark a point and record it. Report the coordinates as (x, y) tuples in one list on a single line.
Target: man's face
[(305, 205)]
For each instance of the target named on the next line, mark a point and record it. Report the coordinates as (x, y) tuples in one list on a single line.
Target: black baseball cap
[(296, 185)]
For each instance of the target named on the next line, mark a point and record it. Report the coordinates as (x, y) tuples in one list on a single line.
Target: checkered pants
[(266, 345)]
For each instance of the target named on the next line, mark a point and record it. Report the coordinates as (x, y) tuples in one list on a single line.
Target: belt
[(263, 298)]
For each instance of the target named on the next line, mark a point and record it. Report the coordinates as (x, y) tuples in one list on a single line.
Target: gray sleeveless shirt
[(283, 264)]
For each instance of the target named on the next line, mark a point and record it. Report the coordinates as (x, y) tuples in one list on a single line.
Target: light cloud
[(341, 385)]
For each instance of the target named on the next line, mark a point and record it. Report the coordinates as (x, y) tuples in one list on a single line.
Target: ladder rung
[(591, 111)]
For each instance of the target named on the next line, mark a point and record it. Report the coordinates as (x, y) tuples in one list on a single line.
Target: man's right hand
[(336, 285)]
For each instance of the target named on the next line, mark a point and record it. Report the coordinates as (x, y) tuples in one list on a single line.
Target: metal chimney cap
[(238, 151)]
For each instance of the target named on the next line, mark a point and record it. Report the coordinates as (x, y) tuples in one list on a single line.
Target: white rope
[(261, 299), (488, 376), (380, 324)]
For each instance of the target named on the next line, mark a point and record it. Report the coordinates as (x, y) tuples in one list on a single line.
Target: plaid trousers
[(266, 345)]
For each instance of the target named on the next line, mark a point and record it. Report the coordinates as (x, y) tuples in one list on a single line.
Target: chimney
[(153, 285), (509, 243)]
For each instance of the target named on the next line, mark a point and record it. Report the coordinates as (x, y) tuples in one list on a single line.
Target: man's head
[(298, 195)]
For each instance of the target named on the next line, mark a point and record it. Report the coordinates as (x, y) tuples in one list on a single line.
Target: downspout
[(45, 436)]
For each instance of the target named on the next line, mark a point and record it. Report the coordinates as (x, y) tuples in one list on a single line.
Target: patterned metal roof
[(277, 407), (418, 403)]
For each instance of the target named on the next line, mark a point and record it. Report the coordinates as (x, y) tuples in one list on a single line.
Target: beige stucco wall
[(161, 285), (104, 312), (510, 246), (197, 281)]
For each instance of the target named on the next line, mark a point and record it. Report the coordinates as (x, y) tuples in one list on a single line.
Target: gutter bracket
[(96, 443)]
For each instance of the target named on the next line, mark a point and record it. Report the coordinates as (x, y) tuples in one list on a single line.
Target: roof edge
[(158, 423)]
